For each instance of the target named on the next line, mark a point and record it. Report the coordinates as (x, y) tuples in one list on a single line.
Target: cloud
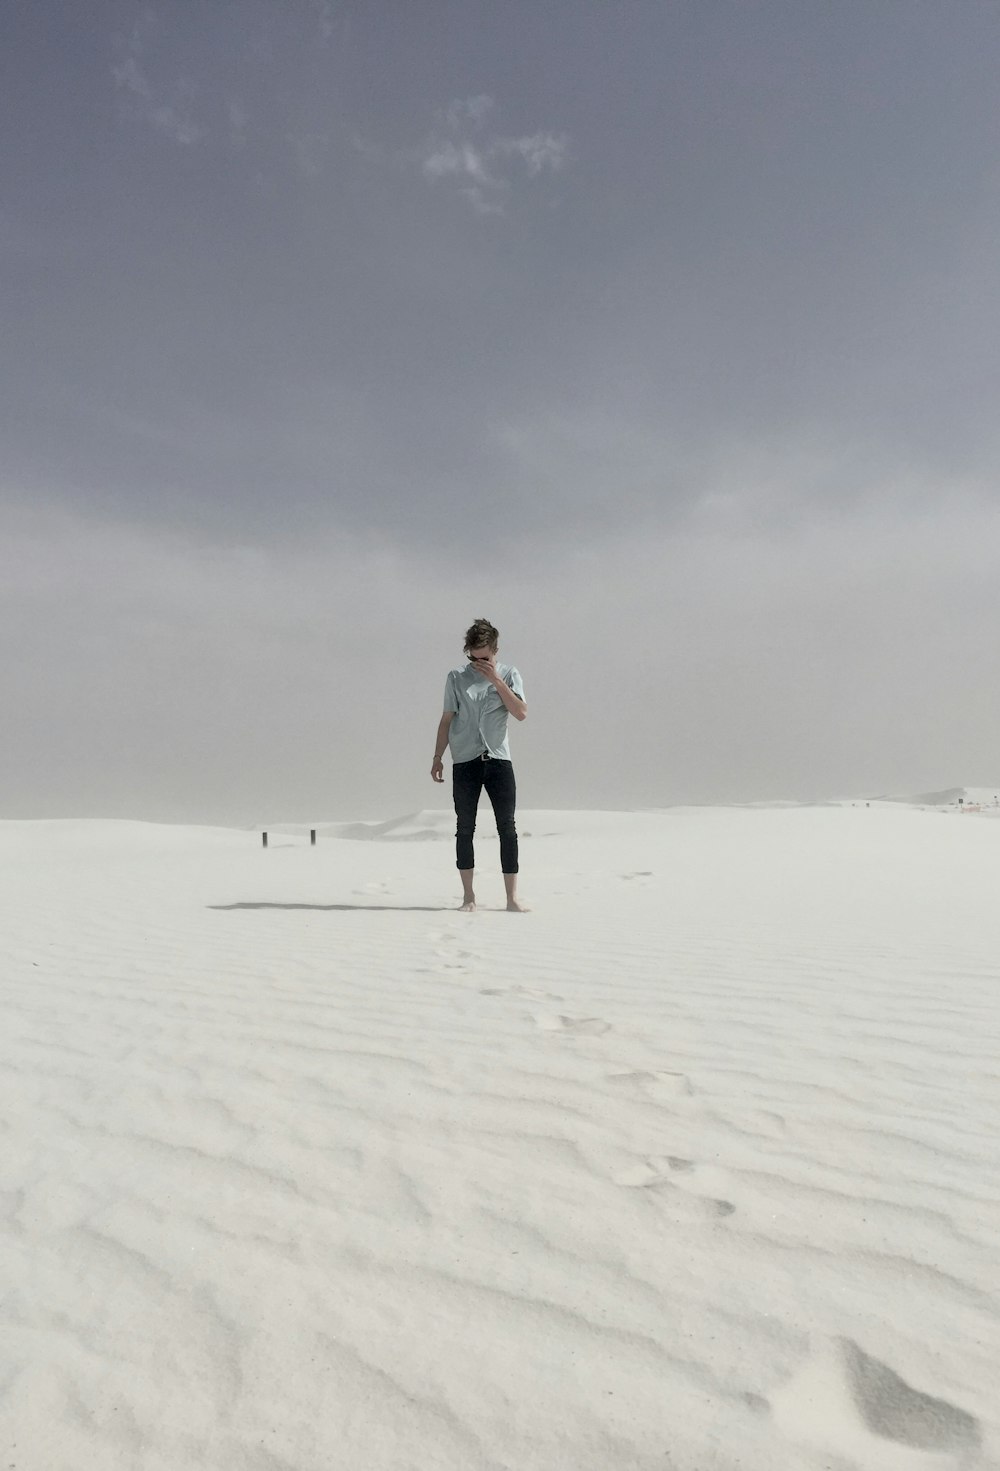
[(213, 108), (131, 78), (540, 151), (169, 110), (484, 167), (471, 109), (324, 17), (177, 124), (462, 160), (465, 164)]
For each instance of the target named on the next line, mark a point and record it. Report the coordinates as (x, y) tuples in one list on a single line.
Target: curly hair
[(481, 633)]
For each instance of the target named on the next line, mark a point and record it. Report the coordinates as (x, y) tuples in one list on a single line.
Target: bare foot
[(467, 906), (514, 906)]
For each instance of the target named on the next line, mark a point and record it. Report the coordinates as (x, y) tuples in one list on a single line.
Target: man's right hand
[(437, 770)]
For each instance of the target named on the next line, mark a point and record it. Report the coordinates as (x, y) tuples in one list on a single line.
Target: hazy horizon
[(664, 337)]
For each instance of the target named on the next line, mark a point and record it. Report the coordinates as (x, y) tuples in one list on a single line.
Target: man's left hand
[(488, 670)]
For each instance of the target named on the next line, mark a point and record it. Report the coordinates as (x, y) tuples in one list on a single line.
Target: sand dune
[(695, 1166)]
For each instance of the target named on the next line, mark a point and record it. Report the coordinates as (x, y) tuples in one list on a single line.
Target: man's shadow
[(371, 908)]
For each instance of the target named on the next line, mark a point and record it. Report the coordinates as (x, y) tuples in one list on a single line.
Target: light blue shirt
[(480, 716)]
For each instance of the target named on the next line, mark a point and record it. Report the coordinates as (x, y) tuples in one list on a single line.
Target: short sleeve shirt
[(480, 716)]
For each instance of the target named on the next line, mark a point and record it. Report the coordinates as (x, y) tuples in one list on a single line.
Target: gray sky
[(663, 334)]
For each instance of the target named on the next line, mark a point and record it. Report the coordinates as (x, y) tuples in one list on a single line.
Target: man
[(478, 698)]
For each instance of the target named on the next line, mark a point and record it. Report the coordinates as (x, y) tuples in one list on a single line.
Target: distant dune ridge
[(697, 1165), (954, 797), (437, 823)]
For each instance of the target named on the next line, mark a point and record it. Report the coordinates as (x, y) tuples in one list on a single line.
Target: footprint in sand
[(452, 959), (659, 1086), (685, 1201), (572, 1026), (846, 1403)]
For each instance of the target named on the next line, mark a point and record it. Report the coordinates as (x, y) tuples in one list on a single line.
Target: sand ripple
[(696, 1166)]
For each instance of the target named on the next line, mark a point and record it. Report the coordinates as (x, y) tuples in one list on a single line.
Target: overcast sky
[(665, 335)]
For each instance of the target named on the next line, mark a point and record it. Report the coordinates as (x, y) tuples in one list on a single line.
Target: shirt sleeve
[(515, 682), (450, 695)]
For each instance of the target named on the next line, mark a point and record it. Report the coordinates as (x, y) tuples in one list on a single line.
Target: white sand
[(695, 1166)]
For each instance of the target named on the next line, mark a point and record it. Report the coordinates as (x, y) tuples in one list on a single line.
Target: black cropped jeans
[(468, 780)]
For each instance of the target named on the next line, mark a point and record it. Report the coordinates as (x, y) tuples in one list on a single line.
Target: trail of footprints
[(687, 1190), (880, 1403)]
